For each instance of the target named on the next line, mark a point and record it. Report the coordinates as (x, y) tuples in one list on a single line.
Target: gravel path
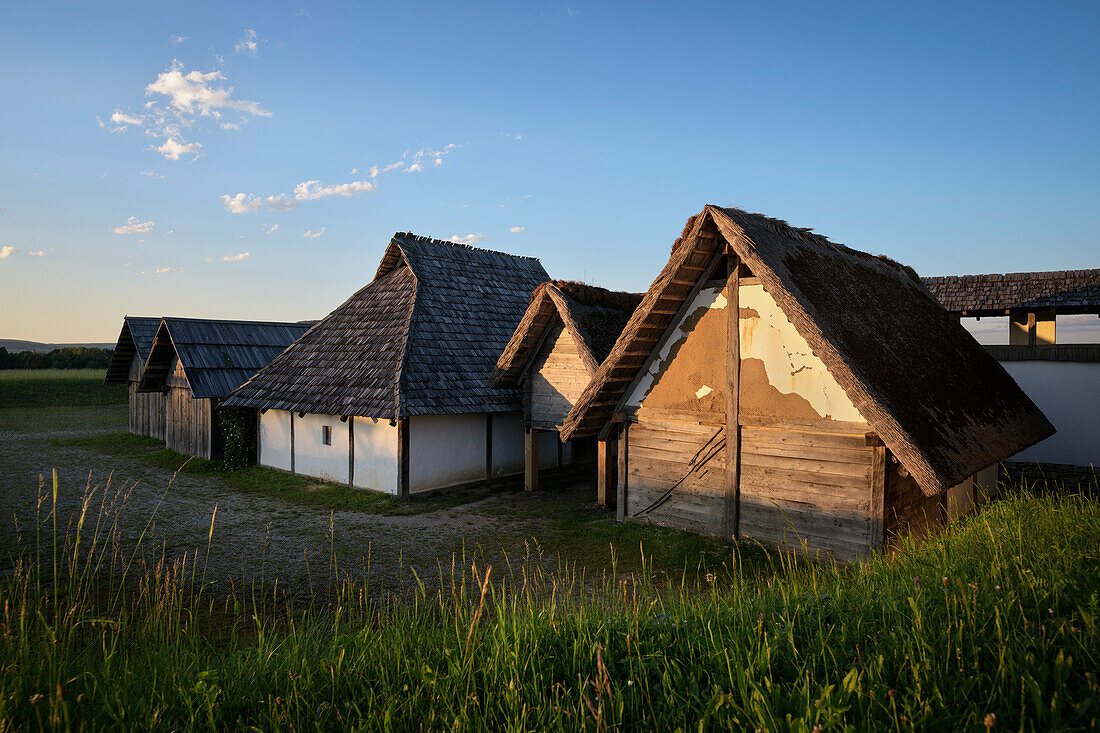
[(254, 535)]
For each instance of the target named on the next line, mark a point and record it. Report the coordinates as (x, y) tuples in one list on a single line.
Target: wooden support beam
[(489, 449), (292, 441), (620, 479), (530, 459), (403, 458), (733, 389), (878, 497), (351, 451), (603, 469)]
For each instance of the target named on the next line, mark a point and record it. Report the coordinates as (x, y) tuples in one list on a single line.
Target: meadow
[(58, 388), (991, 624)]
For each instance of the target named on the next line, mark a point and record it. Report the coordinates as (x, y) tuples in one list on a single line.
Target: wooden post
[(531, 459), (603, 467), (733, 388), (620, 483), (351, 451), (292, 441), (403, 458), (1031, 321), (489, 449), (259, 434), (878, 497), (559, 451)]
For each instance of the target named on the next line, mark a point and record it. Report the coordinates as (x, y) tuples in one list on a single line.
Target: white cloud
[(516, 230), (468, 239), (177, 40), (245, 203), (39, 253), (7, 251), (194, 92), (249, 44), (237, 257), (134, 225), (272, 229), (353, 171), (121, 118), (313, 235), (172, 149), (163, 270), (151, 174)]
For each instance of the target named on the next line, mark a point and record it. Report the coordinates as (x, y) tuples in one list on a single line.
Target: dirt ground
[(254, 535)]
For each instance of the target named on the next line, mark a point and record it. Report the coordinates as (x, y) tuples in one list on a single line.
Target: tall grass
[(993, 623)]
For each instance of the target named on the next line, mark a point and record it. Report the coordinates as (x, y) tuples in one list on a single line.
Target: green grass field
[(58, 388), (992, 624)]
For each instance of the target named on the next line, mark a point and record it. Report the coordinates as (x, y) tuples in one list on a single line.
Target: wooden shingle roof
[(216, 355), (1066, 291), (593, 316), (420, 339), (136, 338), (939, 402)]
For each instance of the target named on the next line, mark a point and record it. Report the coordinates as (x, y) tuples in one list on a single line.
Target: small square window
[(326, 434)]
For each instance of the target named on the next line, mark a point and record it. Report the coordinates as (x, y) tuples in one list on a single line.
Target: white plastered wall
[(507, 443), (445, 450), (312, 457), (1068, 393), (375, 455), (275, 439)]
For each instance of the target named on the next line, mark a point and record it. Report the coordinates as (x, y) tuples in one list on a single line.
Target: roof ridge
[(458, 245), (233, 320), (1037, 274)]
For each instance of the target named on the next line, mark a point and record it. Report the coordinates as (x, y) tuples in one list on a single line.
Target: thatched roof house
[(867, 352), (131, 350), (197, 362), (566, 332), (418, 342)]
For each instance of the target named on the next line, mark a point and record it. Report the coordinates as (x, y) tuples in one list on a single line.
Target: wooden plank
[(403, 458), (877, 499), (782, 476), (621, 479), (781, 436), (733, 390), (351, 451), (807, 466), (808, 496), (653, 414), (666, 474), (805, 424), (531, 460), (603, 468), (860, 457), (292, 441), (489, 449), (713, 457)]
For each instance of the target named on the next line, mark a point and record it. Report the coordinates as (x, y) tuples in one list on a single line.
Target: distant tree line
[(72, 357)]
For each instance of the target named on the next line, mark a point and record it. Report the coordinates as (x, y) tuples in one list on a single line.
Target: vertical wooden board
[(292, 441), (531, 459), (733, 389), (602, 468), (878, 496), (621, 480), (489, 449), (351, 451), (403, 458)]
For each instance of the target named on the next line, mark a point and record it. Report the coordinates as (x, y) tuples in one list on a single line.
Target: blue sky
[(956, 138)]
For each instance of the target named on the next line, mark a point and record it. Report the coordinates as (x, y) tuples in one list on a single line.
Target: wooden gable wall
[(557, 378)]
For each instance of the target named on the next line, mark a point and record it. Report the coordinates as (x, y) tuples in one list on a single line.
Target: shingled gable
[(216, 355), (593, 316), (939, 402), (136, 338), (420, 339)]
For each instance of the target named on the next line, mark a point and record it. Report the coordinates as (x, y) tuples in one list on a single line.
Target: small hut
[(775, 386), (195, 363), (564, 336), (127, 364), (390, 391)]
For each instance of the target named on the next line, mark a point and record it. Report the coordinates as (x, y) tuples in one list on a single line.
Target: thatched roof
[(420, 339), (943, 406), (136, 338), (593, 316), (1066, 291), (217, 356)]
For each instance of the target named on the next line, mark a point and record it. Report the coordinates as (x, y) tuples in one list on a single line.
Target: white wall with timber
[(446, 450), (507, 443), (312, 456), (274, 439), (375, 458), (1068, 393)]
